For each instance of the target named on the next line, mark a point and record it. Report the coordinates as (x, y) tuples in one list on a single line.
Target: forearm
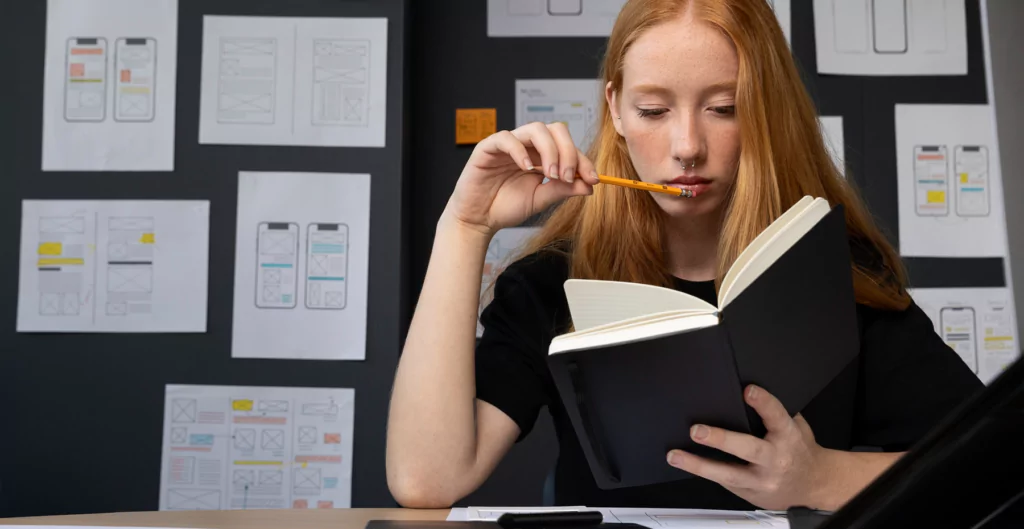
[(847, 473), (432, 431)]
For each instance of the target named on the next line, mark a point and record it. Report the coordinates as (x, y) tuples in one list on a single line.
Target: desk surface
[(254, 519)]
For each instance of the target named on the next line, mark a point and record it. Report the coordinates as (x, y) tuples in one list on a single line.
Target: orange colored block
[(332, 438), (324, 504), (300, 504), (77, 69), (474, 124), (126, 76)]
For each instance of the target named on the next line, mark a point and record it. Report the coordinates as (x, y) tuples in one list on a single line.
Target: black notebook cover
[(791, 331)]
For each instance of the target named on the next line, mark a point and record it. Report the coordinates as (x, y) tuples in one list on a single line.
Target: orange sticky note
[(474, 124)]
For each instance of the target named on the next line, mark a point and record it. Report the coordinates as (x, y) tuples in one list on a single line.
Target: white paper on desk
[(979, 324), (949, 185), (294, 81), (113, 266), (832, 128), (653, 518), (575, 102), (504, 247), (109, 85), (301, 266), (235, 447), (891, 37)]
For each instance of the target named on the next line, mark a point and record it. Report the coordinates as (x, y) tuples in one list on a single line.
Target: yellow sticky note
[(51, 248), (474, 124), (963, 178), (936, 197), (241, 405), (148, 238)]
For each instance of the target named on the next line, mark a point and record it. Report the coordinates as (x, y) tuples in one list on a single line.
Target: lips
[(695, 184)]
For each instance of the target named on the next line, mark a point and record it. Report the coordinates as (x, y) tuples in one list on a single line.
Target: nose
[(687, 139)]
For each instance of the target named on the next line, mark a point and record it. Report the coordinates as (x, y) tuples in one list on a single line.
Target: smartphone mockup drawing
[(931, 183), (85, 86), (971, 175), (958, 331), (277, 261), (889, 19), (327, 266), (135, 78), (565, 7)]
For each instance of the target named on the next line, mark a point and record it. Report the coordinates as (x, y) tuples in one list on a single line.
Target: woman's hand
[(787, 468), (501, 184)]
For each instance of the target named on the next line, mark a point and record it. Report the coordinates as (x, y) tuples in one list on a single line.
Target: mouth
[(695, 184)]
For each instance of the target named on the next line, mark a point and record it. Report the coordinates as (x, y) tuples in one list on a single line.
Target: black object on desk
[(533, 520)]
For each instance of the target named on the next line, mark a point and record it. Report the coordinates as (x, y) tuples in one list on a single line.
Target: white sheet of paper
[(113, 266), (294, 81), (978, 323), (574, 102), (832, 127), (573, 18), (653, 518), (301, 266), (502, 249), (949, 184), (237, 447), (109, 85), (894, 37)]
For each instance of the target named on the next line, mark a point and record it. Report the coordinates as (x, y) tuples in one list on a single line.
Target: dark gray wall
[(81, 415), (458, 66), (1005, 44)]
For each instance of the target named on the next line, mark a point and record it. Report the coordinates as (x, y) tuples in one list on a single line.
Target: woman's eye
[(648, 112), (724, 110)]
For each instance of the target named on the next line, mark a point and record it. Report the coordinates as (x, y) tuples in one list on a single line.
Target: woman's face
[(676, 113)]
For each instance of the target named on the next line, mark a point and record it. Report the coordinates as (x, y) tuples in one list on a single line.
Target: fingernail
[(699, 432), (752, 392), (545, 180), (528, 164), (553, 172), (675, 458), (568, 174), (593, 174)]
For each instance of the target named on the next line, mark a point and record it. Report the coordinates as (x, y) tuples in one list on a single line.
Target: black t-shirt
[(905, 380)]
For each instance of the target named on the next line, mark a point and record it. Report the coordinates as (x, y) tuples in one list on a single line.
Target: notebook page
[(630, 334), (781, 242), (595, 302)]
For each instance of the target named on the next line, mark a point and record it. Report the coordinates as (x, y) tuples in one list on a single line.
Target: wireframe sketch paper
[(832, 127), (652, 518), (502, 249), (294, 81), (109, 85), (891, 37), (978, 323), (113, 266), (574, 102), (237, 447), (949, 185), (301, 266)]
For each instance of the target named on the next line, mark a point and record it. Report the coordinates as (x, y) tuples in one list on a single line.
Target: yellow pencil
[(635, 184)]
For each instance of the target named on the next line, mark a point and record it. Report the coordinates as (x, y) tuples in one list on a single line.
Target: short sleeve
[(511, 368), (911, 381)]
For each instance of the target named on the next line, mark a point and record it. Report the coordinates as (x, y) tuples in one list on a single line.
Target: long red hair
[(616, 234)]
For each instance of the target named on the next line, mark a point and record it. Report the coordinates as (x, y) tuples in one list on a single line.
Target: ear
[(612, 98)]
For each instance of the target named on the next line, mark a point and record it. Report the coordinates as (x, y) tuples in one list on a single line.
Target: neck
[(692, 247)]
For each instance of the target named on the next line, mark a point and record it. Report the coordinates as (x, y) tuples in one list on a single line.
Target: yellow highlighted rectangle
[(260, 463), (135, 90), (51, 248), (241, 405), (998, 338), (936, 197), (61, 261), (148, 238), (963, 178)]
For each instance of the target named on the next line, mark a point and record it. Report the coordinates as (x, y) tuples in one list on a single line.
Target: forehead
[(682, 51)]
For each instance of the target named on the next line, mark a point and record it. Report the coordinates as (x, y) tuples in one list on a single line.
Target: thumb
[(553, 191)]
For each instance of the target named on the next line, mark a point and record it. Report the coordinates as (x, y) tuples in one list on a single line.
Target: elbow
[(414, 491)]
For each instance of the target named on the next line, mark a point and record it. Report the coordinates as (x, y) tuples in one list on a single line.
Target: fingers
[(725, 474), (566, 166), (745, 447), (772, 412), (506, 142), (558, 153), (586, 169)]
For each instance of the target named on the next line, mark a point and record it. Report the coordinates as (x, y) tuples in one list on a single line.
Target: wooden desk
[(255, 519)]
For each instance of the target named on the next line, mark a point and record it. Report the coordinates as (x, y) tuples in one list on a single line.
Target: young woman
[(704, 95)]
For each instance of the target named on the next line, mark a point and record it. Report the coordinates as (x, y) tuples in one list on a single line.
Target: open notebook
[(608, 312), (644, 363)]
